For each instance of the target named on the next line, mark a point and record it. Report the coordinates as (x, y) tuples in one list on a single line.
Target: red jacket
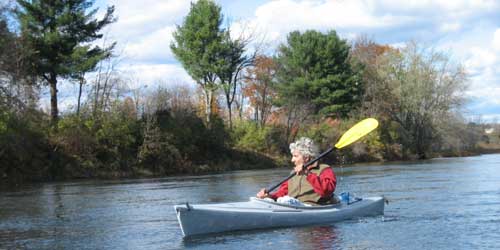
[(324, 184)]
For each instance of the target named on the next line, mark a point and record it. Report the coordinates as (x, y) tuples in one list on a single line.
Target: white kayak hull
[(259, 214)]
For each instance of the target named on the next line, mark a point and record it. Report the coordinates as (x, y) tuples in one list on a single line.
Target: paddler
[(313, 185)]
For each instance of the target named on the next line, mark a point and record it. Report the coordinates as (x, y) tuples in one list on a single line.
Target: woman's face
[(298, 159)]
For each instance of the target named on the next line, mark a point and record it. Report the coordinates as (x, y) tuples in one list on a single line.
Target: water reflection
[(319, 237), (443, 203)]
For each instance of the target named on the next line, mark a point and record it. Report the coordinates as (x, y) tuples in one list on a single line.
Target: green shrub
[(248, 135), (25, 152), (157, 154)]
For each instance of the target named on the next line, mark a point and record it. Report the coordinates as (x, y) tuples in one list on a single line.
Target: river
[(448, 203)]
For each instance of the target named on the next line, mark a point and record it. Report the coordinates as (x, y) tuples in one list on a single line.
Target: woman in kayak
[(314, 185)]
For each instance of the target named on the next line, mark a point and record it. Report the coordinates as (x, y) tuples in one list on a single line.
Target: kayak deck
[(257, 214)]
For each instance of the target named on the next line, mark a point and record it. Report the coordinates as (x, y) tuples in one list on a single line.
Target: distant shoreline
[(225, 167)]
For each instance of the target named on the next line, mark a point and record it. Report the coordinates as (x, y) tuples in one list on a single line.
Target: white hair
[(305, 146)]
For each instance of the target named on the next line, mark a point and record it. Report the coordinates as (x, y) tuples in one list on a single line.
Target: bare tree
[(426, 88), (107, 80)]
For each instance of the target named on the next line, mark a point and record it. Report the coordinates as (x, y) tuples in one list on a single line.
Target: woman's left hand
[(301, 170)]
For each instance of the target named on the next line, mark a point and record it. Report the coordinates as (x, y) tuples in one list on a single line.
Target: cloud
[(155, 74), (318, 14), (144, 28), (496, 40), (391, 18), (139, 18), (152, 47), (494, 118), (482, 64), (282, 16), (456, 6), (450, 27), (480, 60), (143, 33)]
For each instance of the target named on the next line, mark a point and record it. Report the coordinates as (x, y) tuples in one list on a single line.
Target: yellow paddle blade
[(357, 131)]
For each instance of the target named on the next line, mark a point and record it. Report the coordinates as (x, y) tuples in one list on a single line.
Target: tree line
[(247, 107)]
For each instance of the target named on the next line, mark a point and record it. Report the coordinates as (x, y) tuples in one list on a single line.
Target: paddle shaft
[(305, 166)]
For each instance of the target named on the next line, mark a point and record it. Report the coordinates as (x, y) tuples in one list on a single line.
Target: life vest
[(301, 189)]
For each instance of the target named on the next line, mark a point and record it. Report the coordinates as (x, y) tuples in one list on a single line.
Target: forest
[(247, 107)]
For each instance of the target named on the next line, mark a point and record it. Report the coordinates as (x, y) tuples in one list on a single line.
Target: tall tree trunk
[(239, 102), (54, 112), (97, 87), (230, 114), (256, 113), (208, 104), (82, 81), (105, 91), (230, 118), (263, 108)]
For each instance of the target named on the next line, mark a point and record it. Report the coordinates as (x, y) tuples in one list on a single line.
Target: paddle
[(357, 131)]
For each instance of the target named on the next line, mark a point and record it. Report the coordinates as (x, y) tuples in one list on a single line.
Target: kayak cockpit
[(307, 207)]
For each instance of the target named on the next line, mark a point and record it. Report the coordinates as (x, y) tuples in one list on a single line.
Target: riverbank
[(481, 149), (234, 161)]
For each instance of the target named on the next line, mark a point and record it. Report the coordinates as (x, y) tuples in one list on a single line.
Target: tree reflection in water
[(318, 238)]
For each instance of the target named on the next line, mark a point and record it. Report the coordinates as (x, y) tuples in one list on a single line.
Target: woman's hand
[(262, 194), (301, 170)]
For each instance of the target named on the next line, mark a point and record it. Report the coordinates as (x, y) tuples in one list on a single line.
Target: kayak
[(259, 214)]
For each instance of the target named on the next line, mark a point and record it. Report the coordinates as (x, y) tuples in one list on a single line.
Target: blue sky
[(467, 30)]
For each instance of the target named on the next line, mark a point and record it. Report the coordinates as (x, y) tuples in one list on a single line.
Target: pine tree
[(315, 70), (57, 32)]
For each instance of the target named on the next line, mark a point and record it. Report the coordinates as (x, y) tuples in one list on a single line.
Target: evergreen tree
[(56, 30), (198, 45), (314, 69)]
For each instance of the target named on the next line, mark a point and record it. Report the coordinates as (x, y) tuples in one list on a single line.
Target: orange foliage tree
[(367, 53), (259, 87)]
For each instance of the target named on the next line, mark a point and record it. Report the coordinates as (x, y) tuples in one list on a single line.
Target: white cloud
[(154, 74), (144, 28), (450, 27), (485, 80), (283, 16), (476, 50), (487, 95), (480, 59), (399, 45), (143, 33), (455, 8), (138, 18), (494, 118), (154, 46), (470, 5), (496, 40), (279, 17)]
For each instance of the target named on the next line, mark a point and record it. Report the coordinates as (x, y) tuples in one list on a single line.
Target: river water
[(451, 203)]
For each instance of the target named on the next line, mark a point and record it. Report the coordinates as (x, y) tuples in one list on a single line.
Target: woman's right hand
[(262, 194)]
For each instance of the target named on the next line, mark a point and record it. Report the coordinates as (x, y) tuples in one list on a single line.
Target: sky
[(468, 31)]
